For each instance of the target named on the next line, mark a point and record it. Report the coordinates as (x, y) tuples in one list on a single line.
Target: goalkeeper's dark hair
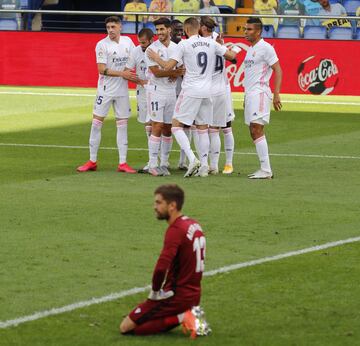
[(257, 21), (146, 32), (172, 193), (163, 21), (112, 19)]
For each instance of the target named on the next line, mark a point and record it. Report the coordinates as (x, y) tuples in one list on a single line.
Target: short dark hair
[(256, 21), (112, 19), (171, 193), (192, 22), (163, 21), (208, 22), (176, 21), (146, 32)]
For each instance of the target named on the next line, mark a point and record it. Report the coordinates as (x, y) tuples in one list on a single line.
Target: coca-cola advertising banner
[(68, 59)]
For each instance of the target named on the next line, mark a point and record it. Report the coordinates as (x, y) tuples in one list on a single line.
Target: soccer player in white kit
[(161, 98), (137, 62), (194, 103), (260, 61), (112, 54), (219, 98)]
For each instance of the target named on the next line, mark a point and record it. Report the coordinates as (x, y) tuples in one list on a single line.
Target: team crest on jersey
[(114, 53)]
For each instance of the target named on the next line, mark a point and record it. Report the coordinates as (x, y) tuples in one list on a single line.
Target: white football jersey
[(199, 57), (258, 71), (218, 86), (137, 62), (115, 56), (163, 84)]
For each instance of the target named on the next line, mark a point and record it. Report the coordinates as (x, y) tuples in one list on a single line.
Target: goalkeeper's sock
[(95, 139), (157, 326)]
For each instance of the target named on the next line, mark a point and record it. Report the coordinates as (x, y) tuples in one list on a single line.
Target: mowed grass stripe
[(235, 99), (175, 150), (136, 290)]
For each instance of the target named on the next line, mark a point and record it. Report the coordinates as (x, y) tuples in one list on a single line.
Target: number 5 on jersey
[(199, 247)]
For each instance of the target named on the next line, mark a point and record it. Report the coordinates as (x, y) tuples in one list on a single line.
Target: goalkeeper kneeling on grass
[(176, 283)]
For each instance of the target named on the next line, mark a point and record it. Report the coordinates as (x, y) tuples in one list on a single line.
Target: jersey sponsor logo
[(318, 76), (138, 310)]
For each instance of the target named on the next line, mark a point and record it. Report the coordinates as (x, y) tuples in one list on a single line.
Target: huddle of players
[(166, 90), (199, 108)]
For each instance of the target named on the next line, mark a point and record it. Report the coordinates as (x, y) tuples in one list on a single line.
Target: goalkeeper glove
[(160, 295)]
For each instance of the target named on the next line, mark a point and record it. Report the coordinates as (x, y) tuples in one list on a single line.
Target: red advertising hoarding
[(68, 59)]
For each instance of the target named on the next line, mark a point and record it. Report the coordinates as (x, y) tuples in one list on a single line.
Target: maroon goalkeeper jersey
[(181, 262)]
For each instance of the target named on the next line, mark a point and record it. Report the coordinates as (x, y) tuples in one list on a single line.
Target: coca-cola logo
[(318, 76), (235, 72)]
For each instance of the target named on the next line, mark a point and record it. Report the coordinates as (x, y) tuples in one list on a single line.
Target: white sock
[(148, 130), (166, 144), (182, 158), (204, 146), (183, 142), (195, 137), (95, 139), (215, 147), (154, 146), (229, 144), (122, 139), (263, 153), (181, 317)]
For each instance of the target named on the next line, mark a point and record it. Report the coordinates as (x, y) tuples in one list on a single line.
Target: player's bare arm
[(277, 85), (166, 73), (126, 74), (166, 65), (230, 55)]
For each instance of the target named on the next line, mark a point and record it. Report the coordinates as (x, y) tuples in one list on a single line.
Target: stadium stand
[(288, 31), (315, 32), (268, 31), (151, 26), (130, 27), (357, 34), (8, 24), (351, 6), (338, 33)]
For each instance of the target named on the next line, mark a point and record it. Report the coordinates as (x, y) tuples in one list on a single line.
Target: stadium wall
[(68, 59)]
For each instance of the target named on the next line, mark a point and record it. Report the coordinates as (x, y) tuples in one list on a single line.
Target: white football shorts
[(257, 109), (230, 114), (160, 107), (219, 111), (192, 109), (121, 105), (142, 115)]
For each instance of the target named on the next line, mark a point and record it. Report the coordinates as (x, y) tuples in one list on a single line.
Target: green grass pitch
[(67, 237)]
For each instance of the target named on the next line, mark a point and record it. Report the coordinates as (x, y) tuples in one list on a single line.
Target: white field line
[(135, 290), (343, 103), (145, 149)]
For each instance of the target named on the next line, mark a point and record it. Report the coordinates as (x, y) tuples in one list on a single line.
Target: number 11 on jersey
[(198, 245)]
